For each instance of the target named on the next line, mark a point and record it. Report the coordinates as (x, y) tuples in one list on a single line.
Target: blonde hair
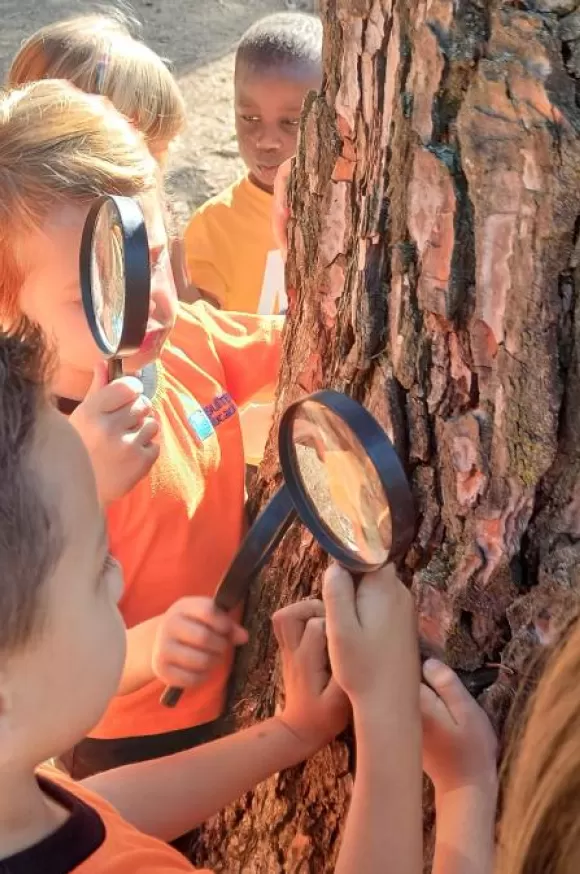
[(540, 828), (99, 55), (59, 145)]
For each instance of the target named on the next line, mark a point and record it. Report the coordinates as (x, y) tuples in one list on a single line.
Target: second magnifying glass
[(343, 480), (116, 278)]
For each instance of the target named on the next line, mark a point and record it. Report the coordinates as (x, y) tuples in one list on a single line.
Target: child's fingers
[(289, 623), (434, 712), (197, 636), (115, 395), (340, 602), (240, 635), (448, 686), (147, 432), (312, 649), (204, 611)]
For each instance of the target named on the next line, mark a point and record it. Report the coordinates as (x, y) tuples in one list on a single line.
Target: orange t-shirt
[(231, 253), (95, 839), (176, 533)]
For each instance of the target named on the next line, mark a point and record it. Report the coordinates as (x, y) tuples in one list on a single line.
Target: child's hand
[(114, 422), (372, 639), (316, 709), (192, 638), (459, 744)]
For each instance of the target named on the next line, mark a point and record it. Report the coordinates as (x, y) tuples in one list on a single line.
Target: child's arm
[(372, 641), (459, 749), (167, 797), (181, 647)]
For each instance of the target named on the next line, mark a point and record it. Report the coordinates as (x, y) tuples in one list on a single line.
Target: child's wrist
[(381, 709), (482, 788), (298, 744)]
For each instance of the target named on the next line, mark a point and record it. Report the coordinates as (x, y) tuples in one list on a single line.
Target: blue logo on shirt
[(201, 424), (204, 421)]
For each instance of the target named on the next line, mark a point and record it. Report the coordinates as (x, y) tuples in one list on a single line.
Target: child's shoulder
[(229, 198), (95, 837)]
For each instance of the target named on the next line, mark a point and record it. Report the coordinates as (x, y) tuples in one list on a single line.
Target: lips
[(268, 169)]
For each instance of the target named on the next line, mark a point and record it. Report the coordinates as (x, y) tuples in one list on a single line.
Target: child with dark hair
[(230, 250), (62, 649)]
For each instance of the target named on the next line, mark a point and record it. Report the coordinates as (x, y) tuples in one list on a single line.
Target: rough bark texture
[(436, 257)]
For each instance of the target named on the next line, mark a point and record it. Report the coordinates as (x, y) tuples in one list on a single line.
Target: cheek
[(164, 294), (73, 336), (289, 143), (245, 139)]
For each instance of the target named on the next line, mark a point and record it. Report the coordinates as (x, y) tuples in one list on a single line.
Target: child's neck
[(27, 816), (267, 189)]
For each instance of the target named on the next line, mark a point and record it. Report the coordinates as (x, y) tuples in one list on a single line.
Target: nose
[(269, 140)]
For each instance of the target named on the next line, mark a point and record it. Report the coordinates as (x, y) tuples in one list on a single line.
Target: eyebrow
[(287, 110)]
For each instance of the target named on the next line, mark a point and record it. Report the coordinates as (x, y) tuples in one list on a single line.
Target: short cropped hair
[(30, 531), (101, 55), (282, 39)]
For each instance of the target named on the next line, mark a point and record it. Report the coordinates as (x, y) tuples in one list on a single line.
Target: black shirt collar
[(66, 848)]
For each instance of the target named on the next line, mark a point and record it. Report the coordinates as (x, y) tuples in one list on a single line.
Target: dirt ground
[(199, 37)]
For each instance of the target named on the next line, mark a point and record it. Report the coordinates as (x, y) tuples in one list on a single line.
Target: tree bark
[(435, 251)]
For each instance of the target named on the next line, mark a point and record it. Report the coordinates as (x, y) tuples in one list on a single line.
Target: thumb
[(313, 645), (240, 635), (100, 378), (339, 598), (447, 685)]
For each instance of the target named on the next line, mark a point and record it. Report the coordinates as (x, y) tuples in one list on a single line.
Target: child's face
[(57, 688), (268, 105), (51, 294)]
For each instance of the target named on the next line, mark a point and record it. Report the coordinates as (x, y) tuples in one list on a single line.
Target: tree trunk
[(435, 251)]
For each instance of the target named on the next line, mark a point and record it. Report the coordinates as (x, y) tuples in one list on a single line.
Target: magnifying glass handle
[(256, 549), (114, 369), (171, 696)]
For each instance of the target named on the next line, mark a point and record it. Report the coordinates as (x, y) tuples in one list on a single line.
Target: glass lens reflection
[(342, 483), (108, 275)]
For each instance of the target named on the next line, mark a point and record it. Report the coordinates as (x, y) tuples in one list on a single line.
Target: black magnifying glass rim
[(137, 271), (384, 459)]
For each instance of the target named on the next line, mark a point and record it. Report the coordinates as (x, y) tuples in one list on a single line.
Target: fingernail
[(432, 666)]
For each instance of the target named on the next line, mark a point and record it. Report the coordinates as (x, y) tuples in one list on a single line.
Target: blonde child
[(99, 54), (170, 470)]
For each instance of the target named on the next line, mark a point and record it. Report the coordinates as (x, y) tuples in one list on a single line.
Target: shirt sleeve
[(201, 260), (249, 349)]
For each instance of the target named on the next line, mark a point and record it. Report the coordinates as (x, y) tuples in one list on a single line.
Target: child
[(539, 827), (62, 647), (229, 246), (99, 55), (170, 470), (230, 251)]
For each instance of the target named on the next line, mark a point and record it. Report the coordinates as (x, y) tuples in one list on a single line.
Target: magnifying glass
[(343, 480), (116, 278)]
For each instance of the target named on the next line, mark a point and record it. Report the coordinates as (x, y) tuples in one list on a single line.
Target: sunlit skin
[(54, 690), (51, 294), (268, 105)]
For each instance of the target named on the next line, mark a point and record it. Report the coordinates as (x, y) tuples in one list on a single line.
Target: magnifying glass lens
[(108, 275), (341, 483)]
